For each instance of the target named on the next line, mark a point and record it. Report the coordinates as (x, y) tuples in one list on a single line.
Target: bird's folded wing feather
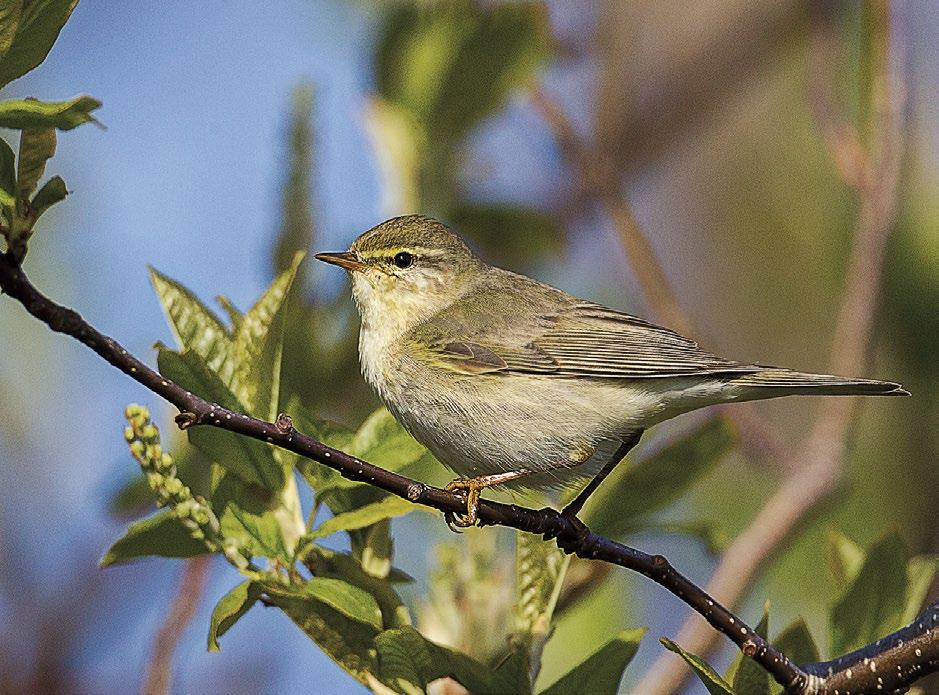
[(573, 339)]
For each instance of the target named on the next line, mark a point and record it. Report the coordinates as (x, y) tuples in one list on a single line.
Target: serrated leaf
[(251, 460), (749, 678), (405, 653), (634, 490), (195, 326), (258, 345), (706, 674), (844, 558), (230, 609), (52, 191), (602, 671), (348, 642), (161, 534), (874, 600), (37, 146), (40, 22), (386, 508), (330, 563), (23, 114)]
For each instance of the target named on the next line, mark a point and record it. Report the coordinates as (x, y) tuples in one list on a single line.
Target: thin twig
[(159, 678), (818, 465)]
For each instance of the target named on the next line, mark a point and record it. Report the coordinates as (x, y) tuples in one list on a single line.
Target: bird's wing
[(560, 338)]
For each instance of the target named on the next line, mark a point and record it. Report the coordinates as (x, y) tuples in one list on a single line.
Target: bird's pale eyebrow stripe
[(391, 251)]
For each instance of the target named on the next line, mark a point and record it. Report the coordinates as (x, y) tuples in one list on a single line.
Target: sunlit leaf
[(37, 145), (160, 534), (350, 643), (324, 562), (23, 114), (405, 656), (635, 489), (40, 22), (195, 327), (874, 599), (246, 516), (247, 458), (258, 346), (52, 191), (386, 508), (711, 679), (601, 672), (7, 176), (9, 22), (230, 609), (350, 600)]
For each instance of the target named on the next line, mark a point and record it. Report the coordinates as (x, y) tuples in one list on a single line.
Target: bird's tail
[(774, 382)]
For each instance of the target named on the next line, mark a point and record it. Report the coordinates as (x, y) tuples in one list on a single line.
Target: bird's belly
[(480, 425)]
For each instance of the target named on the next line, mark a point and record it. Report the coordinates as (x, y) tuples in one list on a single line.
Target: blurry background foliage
[(702, 111)]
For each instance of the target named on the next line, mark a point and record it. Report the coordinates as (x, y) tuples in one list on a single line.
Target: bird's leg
[(573, 509), (473, 488)]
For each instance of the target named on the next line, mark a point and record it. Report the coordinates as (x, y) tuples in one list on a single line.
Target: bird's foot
[(472, 487)]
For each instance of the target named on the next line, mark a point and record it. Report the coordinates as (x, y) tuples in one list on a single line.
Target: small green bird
[(509, 381)]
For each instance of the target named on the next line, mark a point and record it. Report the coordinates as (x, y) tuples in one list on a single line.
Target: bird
[(511, 382)]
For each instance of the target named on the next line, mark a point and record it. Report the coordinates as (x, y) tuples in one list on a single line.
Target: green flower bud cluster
[(193, 512)]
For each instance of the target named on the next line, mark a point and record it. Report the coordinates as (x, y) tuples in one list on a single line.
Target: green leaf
[(245, 514), (160, 534), (23, 114), (53, 191), (386, 508), (7, 177), (40, 22), (874, 600), (351, 601), (230, 609), (348, 642), (330, 563), (712, 679), (749, 678), (920, 572), (634, 490), (37, 145), (602, 671), (10, 11), (195, 327), (844, 558), (407, 658), (251, 460), (796, 642), (258, 346)]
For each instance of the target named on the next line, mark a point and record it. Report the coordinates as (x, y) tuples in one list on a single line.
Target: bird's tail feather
[(785, 382)]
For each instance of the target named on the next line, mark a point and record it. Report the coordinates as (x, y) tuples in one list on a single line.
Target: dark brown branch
[(549, 523)]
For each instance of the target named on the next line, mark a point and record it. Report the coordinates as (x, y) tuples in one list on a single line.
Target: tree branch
[(549, 523)]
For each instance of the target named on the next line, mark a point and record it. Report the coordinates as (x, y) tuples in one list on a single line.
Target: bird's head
[(405, 270)]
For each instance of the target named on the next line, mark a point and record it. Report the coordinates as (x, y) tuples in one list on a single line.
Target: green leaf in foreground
[(386, 508), (38, 24), (712, 679), (160, 534), (230, 609), (408, 661), (601, 672), (53, 191), (23, 114), (37, 146)]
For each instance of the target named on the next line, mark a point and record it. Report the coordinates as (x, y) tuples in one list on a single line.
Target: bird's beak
[(344, 259)]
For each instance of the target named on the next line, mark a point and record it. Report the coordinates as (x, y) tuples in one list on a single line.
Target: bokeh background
[(238, 131)]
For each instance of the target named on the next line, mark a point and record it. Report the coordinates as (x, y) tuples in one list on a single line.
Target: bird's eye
[(403, 259)]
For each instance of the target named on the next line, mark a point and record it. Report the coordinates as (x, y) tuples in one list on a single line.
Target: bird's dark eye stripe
[(403, 259)]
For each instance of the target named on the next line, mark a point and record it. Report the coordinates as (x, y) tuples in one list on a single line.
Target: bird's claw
[(472, 490)]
